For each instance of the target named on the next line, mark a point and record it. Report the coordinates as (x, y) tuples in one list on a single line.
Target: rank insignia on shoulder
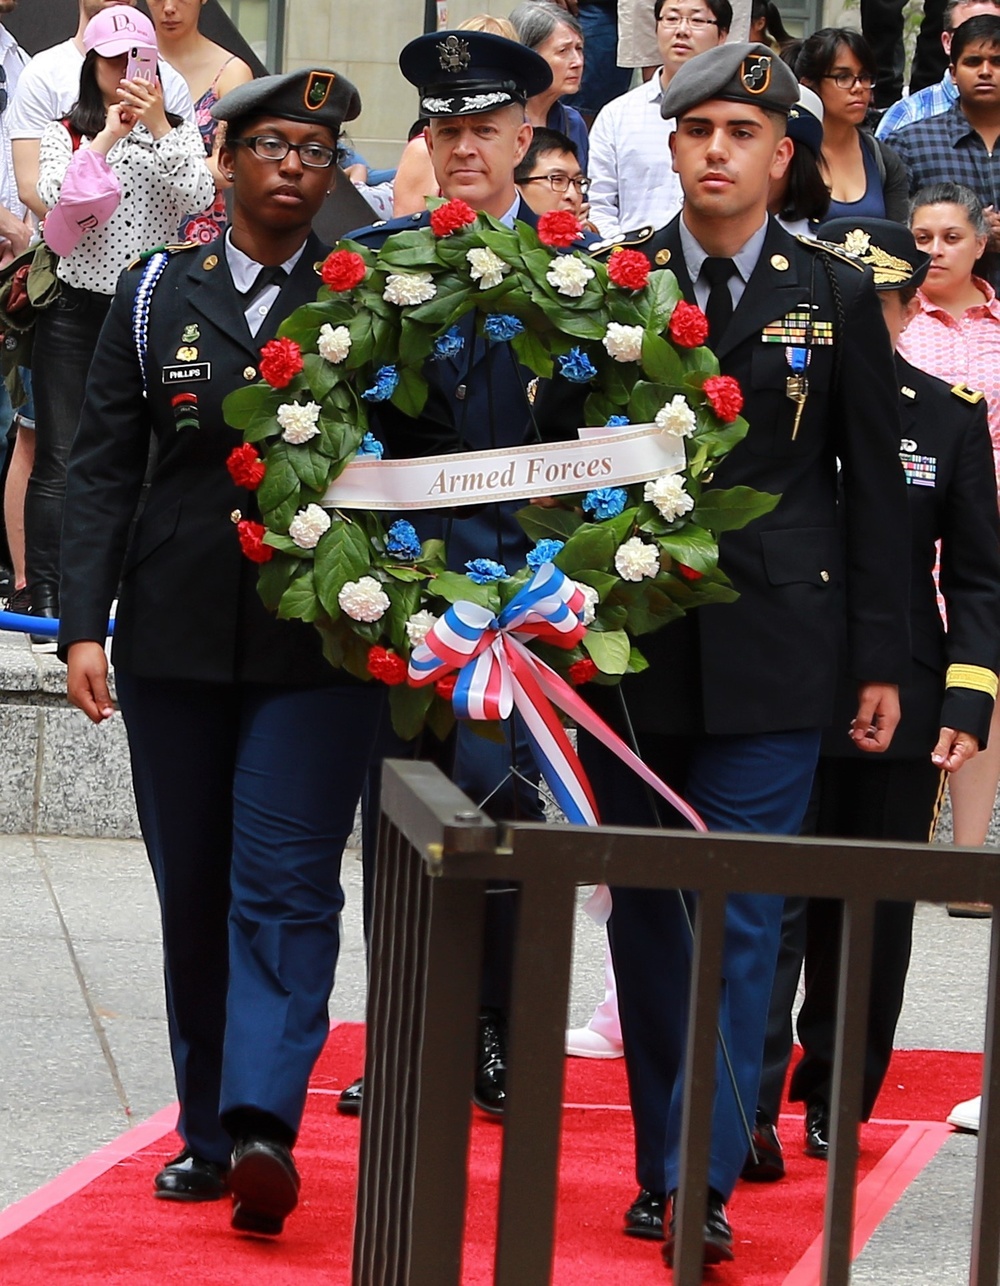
[(623, 242), (967, 394), (174, 249)]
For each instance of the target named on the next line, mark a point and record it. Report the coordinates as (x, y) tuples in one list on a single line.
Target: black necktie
[(719, 308), (273, 276)]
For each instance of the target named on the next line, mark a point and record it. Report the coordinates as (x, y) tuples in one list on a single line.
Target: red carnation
[(582, 671), (688, 325), (445, 686), (387, 667), (724, 397), (343, 270), (559, 228), (450, 217), (628, 269), (245, 466), (251, 536), (280, 362), (688, 573)]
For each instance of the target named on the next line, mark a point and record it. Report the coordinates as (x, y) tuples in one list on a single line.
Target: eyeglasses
[(847, 79), (696, 21), (269, 148), (560, 182)]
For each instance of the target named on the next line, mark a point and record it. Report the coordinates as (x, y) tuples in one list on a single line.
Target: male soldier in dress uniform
[(731, 707)]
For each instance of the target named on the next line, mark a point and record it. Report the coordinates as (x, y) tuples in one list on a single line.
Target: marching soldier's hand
[(954, 749), (87, 680), (878, 714)]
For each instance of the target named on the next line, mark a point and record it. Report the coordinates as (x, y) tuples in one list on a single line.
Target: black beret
[(884, 246), (741, 72), (465, 73), (317, 96)]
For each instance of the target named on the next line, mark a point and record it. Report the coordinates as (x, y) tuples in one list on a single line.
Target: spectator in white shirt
[(15, 231), (48, 89), (632, 183)]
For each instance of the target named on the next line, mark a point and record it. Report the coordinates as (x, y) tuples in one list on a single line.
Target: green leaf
[(443, 309), (593, 545), (253, 411), (661, 296), (636, 662), (404, 600), (647, 399), (649, 604), (415, 343), (532, 352), (278, 494), (621, 526), (311, 466), (320, 375), (273, 579), (548, 524), (411, 392), (441, 719), (722, 510), (409, 707), (608, 650), (693, 546), (603, 582), (298, 602), (343, 554), (453, 587), (660, 360)]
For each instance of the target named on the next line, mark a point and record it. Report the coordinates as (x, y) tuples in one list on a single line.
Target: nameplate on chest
[(187, 373)]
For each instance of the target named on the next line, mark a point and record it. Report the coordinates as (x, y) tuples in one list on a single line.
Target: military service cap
[(741, 72), (320, 96), (464, 73), (886, 247)]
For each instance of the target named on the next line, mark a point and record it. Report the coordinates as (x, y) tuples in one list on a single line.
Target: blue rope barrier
[(46, 626)]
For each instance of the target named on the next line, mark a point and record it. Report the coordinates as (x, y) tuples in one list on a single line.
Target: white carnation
[(308, 525), (333, 344), (419, 626), (676, 417), (364, 599), (569, 274), (624, 343), (668, 495), (298, 422), (589, 609), (486, 267), (409, 288), (635, 559)]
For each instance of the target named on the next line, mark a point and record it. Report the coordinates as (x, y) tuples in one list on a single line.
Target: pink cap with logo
[(116, 30), (89, 197)]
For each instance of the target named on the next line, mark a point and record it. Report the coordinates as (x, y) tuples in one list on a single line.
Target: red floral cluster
[(445, 686), (689, 573), (245, 466), (343, 270), (559, 228), (582, 671), (450, 217), (725, 397), (251, 536), (628, 269), (688, 325), (388, 667), (280, 362)]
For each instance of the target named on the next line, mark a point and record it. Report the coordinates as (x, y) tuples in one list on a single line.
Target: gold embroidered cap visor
[(316, 96), (741, 72), (465, 73), (887, 248)]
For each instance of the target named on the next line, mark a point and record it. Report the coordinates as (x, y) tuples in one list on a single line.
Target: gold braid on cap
[(888, 270)]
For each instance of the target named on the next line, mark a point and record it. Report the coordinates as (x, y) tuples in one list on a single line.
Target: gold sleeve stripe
[(976, 677)]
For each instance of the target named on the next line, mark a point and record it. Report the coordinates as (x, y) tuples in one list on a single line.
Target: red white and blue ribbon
[(496, 674)]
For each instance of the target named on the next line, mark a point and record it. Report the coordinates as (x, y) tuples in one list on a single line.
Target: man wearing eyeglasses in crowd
[(632, 183), (550, 178)]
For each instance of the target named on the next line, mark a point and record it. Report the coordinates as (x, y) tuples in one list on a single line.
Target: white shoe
[(584, 1042), (965, 1116)]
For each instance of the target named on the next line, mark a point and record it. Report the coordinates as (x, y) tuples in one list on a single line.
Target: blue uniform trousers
[(246, 795)]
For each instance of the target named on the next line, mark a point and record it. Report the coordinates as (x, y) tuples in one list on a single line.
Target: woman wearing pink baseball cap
[(117, 175)]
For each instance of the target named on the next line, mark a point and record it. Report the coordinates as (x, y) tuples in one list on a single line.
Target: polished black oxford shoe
[(490, 1087), (768, 1165), (265, 1186), (190, 1178), (718, 1234), (817, 1131), (644, 1217), (351, 1099)]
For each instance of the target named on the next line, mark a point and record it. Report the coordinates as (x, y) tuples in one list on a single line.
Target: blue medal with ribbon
[(797, 383)]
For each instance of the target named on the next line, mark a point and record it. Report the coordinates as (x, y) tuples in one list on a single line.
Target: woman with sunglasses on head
[(866, 179), (248, 750)]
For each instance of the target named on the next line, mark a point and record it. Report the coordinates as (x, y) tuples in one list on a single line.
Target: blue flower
[(483, 571), (501, 327), (386, 379), (402, 541), (616, 421), (544, 552), (605, 502), (371, 446), (577, 367), (450, 344)]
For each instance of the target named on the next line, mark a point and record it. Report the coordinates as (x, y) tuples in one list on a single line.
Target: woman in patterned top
[(210, 72)]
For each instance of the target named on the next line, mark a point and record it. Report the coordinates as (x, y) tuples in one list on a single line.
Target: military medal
[(187, 353), (797, 384), (190, 334)]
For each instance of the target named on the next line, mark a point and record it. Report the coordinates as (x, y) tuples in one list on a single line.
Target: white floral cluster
[(676, 417), (635, 559), (589, 610), (419, 626), (486, 267), (308, 525), (667, 493), (405, 288), (298, 423), (364, 599), (624, 343), (569, 275), (334, 343)]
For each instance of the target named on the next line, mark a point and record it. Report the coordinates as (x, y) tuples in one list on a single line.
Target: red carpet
[(97, 1222)]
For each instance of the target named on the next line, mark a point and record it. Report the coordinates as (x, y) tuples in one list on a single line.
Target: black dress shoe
[(769, 1164), (644, 1217), (490, 1087), (718, 1234), (817, 1131), (190, 1178), (352, 1098), (265, 1186), (44, 606)]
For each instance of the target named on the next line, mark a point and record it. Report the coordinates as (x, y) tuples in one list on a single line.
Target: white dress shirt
[(244, 270), (12, 61)]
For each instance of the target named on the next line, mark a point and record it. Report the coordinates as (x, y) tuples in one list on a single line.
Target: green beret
[(740, 72), (319, 96)]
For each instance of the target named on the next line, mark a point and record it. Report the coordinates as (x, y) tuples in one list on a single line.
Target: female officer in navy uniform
[(245, 775)]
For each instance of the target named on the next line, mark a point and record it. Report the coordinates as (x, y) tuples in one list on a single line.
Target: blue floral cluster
[(371, 447), (386, 379), (544, 552), (605, 502), (616, 421), (402, 541), (501, 327), (483, 571), (577, 367), (450, 344)]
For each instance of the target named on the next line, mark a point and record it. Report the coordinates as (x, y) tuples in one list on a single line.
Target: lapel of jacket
[(300, 288), (771, 291)]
